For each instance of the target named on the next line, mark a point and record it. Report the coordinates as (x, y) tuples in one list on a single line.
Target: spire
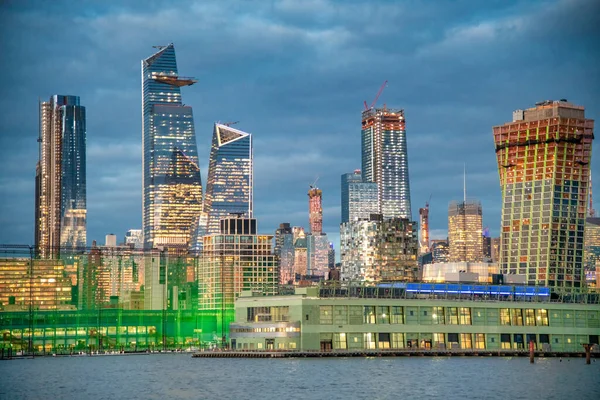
[(465, 182)]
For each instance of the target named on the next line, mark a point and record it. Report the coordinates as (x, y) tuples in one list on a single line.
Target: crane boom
[(379, 93)]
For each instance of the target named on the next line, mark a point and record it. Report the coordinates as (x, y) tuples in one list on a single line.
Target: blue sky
[(295, 74)]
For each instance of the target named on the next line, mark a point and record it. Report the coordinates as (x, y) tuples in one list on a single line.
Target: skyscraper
[(385, 159), (229, 188), (284, 250), (172, 189), (465, 236), (359, 199), (544, 165), (315, 210), (60, 181)]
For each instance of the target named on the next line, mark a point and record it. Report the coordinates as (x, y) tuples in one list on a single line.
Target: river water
[(178, 376)]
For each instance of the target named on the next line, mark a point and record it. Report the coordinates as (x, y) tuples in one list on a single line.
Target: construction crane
[(229, 123), (314, 184), (367, 108)]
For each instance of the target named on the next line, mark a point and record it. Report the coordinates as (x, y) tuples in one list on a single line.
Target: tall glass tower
[(229, 188), (544, 166), (172, 189), (359, 199), (60, 205), (385, 159)]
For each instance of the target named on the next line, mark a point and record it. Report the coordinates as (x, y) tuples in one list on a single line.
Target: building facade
[(592, 250), (440, 251), (315, 210), (465, 231), (358, 249), (235, 260), (60, 180), (172, 187), (385, 160), (437, 272), (359, 199), (544, 158), (284, 250), (229, 188)]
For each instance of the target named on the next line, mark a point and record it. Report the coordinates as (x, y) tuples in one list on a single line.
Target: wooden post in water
[(531, 351), (588, 353)]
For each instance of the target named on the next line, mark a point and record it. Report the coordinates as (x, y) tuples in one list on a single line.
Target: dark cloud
[(295, 74)]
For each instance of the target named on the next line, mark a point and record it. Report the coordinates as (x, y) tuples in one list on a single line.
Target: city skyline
[(287, 161)]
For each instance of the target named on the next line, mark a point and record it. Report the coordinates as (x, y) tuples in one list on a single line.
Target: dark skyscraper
[(172, 189), (385, 159), (60, 205)]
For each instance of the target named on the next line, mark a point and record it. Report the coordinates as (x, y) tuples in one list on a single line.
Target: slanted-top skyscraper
[(544, 164), (229, 188), (385, 159), (60, 179), (172, 189)]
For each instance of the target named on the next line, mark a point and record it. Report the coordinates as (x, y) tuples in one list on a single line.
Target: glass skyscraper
[(465, 231), (229, 188), (60, 204), (359, 199), (385, 160), (172, 188), (544, 166)]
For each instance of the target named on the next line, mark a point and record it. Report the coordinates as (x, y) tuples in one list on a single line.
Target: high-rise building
[(544, 165), (592, 246), (315, 210), (358, 249), (359, 199), (424, 229), (317, 253), (331, 256), (134, 238), (465, 236), (229, 188), (172, 188), (300, 255), (495, 245), (235, 260), (440, 251), (60, 179), (284, 250), (385, 159)]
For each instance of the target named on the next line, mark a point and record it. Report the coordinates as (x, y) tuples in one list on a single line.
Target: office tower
[(591, 248), (284, 250), (424, 229), (331, 256), (465, 238), (60, 179), (40, 283), (229, 188), (487, 244), (243, 262), (359, 199), (300, 255), (440, 251), (317, 253), (495, 249), (385, 159), (315, 210), (544, 165), (379, 250), (172, 189), (134, 238)]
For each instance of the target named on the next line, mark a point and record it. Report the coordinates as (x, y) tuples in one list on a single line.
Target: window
[(397, 316), (369, 315), (505, 340), (465, 316), (452, 316), (437, 317), (369, 340), (516, 316), (479, 341), (465, 341), (504, 316), (383, 315), (339, 341), (356, 315), (530, 317), (292, 345), (326, 315), (397, 340), (384, 341), (438, 340), (542, 317)]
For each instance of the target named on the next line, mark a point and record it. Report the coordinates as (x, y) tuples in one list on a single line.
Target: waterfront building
[(438, 272), (544, 158), (440, 251), (229, 188), (379, 250), (134, 238), (465, 231), (315, 210), (385, 159), (284, 250), (172, 188), (36, 283), (359, 199), (359, 318), (60, 179), (236, 259)]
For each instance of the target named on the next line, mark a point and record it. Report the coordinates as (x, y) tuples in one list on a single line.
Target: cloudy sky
[(295, 74)]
